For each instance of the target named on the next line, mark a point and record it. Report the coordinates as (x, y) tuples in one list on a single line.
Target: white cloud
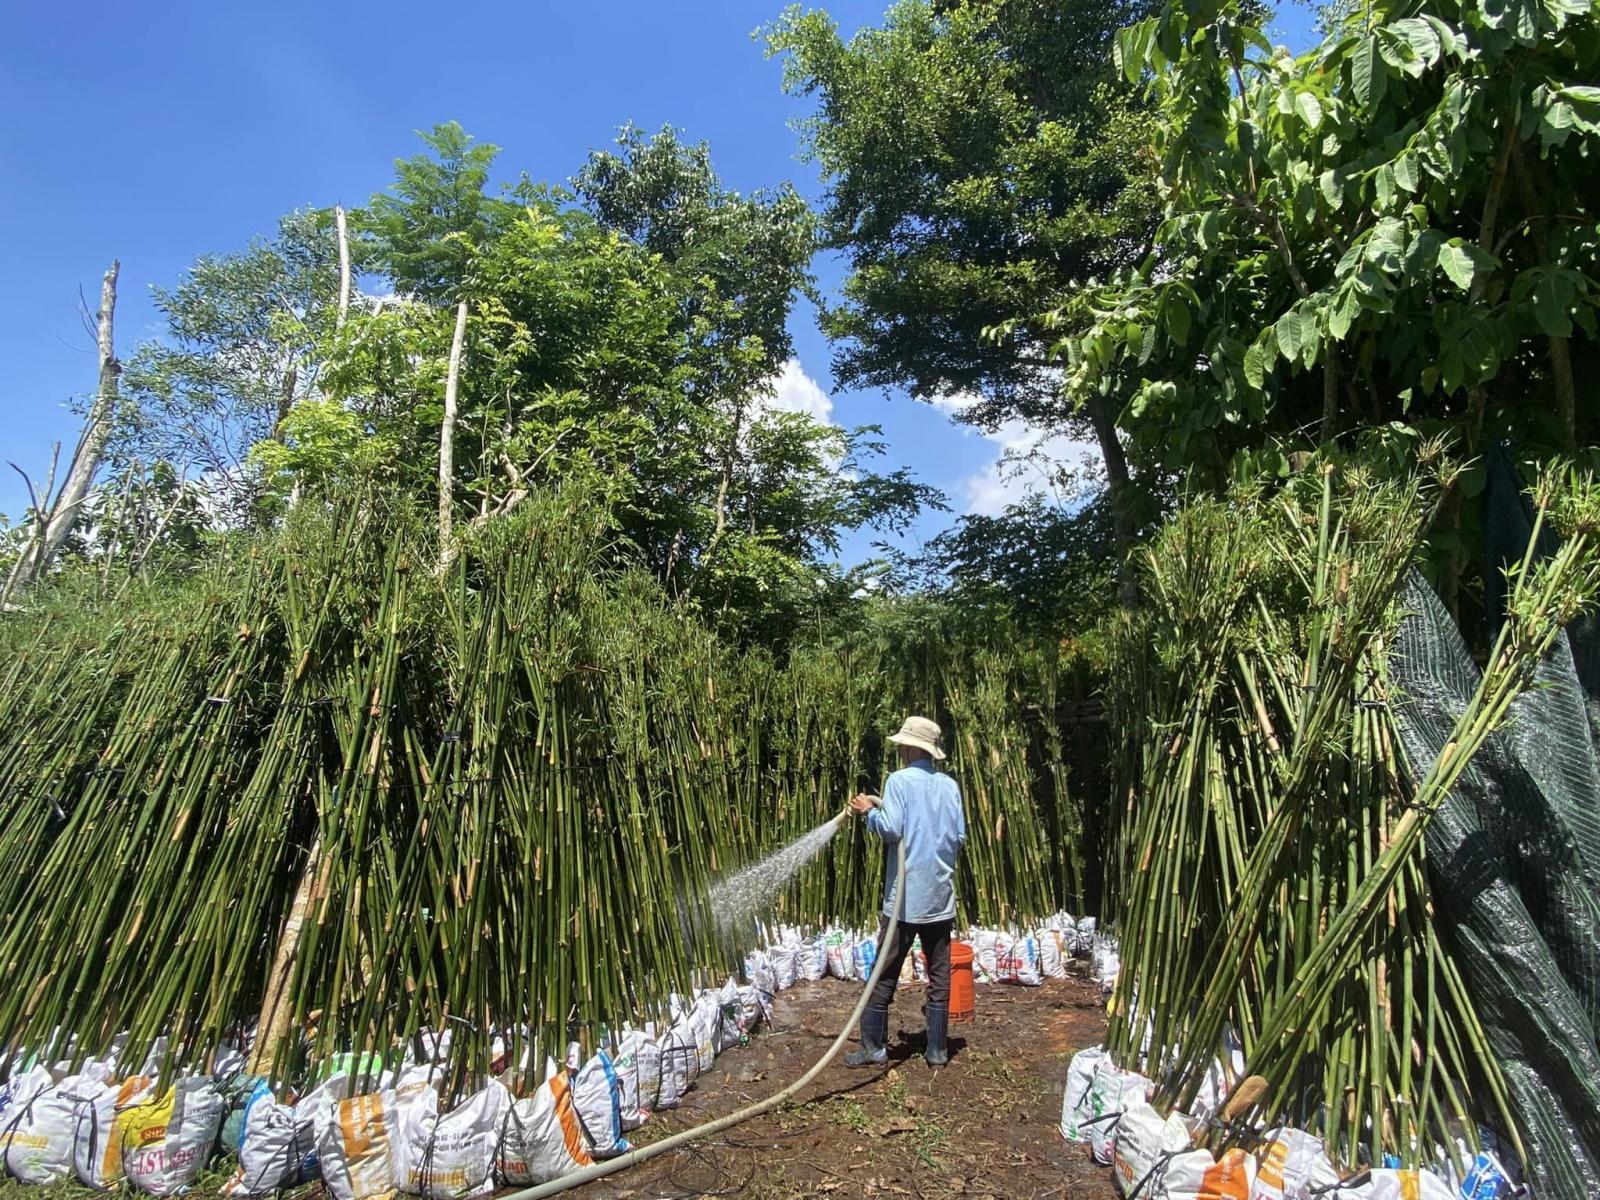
[(1025, 461), (795, 391)]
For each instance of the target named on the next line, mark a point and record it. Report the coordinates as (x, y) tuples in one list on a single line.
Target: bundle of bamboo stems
[(327, 793), (1275, 885)]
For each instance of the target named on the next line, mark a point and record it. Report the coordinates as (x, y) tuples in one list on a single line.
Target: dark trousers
[(935, 944)]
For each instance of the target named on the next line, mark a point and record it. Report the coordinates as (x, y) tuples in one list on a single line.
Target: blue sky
[(153, 133)]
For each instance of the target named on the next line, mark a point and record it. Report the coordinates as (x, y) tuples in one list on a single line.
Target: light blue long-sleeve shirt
[(922, 808)]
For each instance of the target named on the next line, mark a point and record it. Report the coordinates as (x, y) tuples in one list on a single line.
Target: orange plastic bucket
[(960, 982)]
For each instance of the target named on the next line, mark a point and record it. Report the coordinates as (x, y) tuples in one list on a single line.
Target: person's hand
[(864, 802)]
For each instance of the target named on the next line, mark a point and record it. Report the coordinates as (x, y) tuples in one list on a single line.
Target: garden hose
[(633, 1158)]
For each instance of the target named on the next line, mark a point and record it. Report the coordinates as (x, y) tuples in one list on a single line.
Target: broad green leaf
[(1405, 172), (1132, 48), (1332, 186), (1177, 311), (1421, 37), (1383, 184), (1456, 262), (1519, 18), (1344, 311), (1294, 329), (1368, 73), (1550, 305), (1310, 110), (1255, 364), (1450, 41)]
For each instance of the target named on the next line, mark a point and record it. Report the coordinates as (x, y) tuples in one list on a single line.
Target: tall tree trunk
[(728, 457), (86, 458), (447, 437), (344, 265), (1120, 484)]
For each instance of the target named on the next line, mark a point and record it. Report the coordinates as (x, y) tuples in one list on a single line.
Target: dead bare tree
[(447, 436), (344, 265), (63, 512)]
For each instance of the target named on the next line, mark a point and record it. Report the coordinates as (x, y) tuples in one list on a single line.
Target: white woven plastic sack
[(811, 964), (1111, 1095), (167, 1140), (985, 964), (680, 1064), (97, 1146), (1195, 1175), (1055, 947), (1105, 963), (428, 1046), (647, 1060), (728, 1033), (1289, 1163), (1016, 960), (785, 964), (1387, 1184), (20, 1091), (839, 952), (763, 976), (356, 1141), (278, 1142), (598, 1099), (705, 1018), (452, 1157), (1077, 1102), (17, 1097), (1084, 934), (1490, 1172), (627, 1059), (227, 1062), (1488, 1177), (41, 1124), (541, 1138), (865, 957), (1143, 1137), (751, 1011)]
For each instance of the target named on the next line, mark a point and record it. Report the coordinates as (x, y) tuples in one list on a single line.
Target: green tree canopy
[(981, 160), (1397, 231), (238, 352)]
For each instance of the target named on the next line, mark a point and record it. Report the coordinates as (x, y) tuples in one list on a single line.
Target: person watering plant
[(921, 808)]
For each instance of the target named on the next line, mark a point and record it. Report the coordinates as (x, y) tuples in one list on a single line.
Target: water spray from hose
[(643, 1154)]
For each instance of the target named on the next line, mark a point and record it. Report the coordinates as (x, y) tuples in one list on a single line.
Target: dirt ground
[(984, 1126)]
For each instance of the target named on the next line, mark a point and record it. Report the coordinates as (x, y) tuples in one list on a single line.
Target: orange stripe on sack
[(1228, 1180), (568, 1119), (1272, 1164), (111, 1159)]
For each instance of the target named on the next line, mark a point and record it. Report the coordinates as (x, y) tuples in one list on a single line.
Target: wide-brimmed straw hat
[(921, 733)]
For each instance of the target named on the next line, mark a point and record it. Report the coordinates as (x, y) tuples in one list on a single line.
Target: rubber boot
[(874, 1035), (937, 1053)]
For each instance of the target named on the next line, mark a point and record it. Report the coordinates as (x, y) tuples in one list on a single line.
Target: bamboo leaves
[(1279, 886), (326, 797)]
